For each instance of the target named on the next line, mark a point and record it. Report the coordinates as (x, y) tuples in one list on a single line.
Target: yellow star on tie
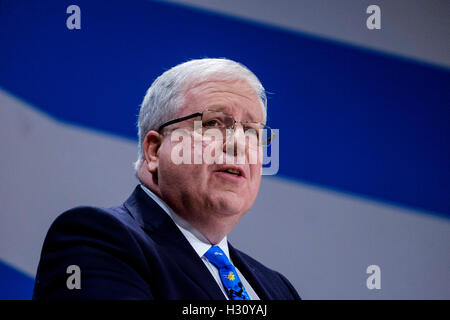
[(230, 276)]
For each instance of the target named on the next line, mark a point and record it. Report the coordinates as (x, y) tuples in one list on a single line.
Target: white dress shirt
[(201, 245)]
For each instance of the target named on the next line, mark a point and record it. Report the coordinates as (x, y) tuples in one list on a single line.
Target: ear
[(151, 147)]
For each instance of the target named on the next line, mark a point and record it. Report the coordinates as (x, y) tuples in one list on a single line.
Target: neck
[(214, 229)]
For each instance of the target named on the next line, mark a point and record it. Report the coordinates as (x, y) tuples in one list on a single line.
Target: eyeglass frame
[(200, 114)]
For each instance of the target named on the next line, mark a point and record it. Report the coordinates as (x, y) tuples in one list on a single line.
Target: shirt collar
[(197, 240)]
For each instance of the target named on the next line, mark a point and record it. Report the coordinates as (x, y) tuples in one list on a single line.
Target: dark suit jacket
[(135, 251)]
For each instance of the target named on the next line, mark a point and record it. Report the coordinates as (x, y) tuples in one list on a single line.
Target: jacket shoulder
[(89, 215), (103, 244), (113, 225)]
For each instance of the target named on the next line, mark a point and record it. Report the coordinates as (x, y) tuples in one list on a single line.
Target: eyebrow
[(226, 109), (218, 107)]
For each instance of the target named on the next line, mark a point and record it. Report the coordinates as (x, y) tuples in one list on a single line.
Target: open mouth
[(233, 171)]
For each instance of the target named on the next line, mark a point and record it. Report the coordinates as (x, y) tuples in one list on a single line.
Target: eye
[(212, 123), (249, 129)]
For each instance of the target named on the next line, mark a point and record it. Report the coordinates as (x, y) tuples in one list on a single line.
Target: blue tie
[(230, 279)]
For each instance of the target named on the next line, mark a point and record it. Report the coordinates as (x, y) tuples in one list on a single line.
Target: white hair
[(165, 96)]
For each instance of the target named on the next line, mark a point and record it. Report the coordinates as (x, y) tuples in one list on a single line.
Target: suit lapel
[(251, 274), (163, 230)]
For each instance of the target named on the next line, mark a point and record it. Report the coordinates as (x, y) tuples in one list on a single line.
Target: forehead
[(235, 97)]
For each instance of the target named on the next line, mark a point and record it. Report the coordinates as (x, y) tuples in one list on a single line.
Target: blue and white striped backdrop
[(364, 174)]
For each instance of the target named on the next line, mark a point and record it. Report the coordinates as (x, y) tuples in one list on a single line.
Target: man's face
[(205, 189)]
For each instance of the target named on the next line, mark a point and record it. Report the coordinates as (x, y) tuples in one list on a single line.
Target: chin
[(230, 204)]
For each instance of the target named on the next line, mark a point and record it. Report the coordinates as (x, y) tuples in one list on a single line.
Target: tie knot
[(217, 257)]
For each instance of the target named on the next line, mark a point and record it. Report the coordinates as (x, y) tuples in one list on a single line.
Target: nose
[(234, 142)]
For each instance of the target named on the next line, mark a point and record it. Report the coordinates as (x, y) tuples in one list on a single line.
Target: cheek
[(255, 177), (189, 175), (166, 170)]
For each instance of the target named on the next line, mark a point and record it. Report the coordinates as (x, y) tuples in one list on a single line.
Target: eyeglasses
[(212, 119)]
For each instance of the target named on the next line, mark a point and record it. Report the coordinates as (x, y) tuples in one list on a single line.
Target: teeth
[(233, 171)]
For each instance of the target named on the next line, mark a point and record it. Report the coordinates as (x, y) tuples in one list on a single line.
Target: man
[(169, 239)]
